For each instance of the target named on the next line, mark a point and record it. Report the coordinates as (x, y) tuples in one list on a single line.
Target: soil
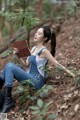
[(65, 95)]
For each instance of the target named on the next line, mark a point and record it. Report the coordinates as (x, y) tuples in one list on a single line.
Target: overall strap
[(33, 49), (41, 51)]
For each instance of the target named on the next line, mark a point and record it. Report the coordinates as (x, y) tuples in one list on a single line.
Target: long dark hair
[(50, 36)]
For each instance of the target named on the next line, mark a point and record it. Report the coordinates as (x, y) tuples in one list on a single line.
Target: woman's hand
[(66, 70), (15, 50)]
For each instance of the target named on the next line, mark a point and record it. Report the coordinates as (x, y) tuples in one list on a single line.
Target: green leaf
[(43, 112), (34, 108), (52, 116), (40, 103), (20, 88), (16, 92), (47, 104), (36, 112), (49, 87), (33, 98)]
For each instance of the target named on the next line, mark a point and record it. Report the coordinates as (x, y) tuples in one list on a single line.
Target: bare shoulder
[(46, 53), (49, 56)]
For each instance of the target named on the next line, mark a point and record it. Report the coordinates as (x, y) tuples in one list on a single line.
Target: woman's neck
[(39, 45)]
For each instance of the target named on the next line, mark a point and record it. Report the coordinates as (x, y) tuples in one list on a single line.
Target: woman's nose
[(36, 35)]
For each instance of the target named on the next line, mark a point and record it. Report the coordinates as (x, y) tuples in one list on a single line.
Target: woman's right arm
[(27, 62)]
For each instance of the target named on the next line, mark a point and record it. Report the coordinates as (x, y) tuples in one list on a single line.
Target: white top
[(41, 62)]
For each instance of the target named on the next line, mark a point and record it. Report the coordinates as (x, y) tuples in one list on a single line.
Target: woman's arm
[(25, 63), (53, 61)]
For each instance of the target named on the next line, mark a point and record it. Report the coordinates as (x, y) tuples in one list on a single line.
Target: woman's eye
[(39, 33)]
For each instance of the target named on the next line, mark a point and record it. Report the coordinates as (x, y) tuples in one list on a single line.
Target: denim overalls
[(12, 71), (38, 80)]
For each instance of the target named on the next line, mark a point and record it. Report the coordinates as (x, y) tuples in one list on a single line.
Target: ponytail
[(50, 36), (53, 43)]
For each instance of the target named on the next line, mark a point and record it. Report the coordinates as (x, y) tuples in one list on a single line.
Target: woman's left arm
[(53, 61)]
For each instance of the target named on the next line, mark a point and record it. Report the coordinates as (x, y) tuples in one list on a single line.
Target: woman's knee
[(9, 65)]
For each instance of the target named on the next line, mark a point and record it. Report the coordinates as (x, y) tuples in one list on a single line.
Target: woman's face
[(39, 36)]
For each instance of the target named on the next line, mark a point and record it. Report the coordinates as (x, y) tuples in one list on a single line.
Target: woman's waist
[(36, 75), (37, 72)]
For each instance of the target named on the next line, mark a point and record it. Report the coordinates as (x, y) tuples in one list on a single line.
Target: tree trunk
[(3, 19), (1, 39), (38, 8), (0, 5)]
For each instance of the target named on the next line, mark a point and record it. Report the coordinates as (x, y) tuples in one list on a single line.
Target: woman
[(36, 63)]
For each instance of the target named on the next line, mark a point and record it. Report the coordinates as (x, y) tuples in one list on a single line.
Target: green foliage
[(20, 3), (41, 109), (74, 70), (44, 92), (47, 8), (71, 7), (23, 89), (27, 82), (40, 103), (5, 31), (51, 116), (27, 92), (6, 53), (56, 71), (77, 75), (57, 11), (30, 19), (22, 12), (77, 80)]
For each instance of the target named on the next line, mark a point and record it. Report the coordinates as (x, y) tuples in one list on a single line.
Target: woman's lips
[(35, 37)]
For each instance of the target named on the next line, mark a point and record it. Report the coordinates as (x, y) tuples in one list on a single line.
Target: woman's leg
[(2, 78), (10, 72), (1, 83)]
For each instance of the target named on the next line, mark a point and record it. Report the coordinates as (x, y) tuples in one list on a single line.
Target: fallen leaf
[(76, 108)]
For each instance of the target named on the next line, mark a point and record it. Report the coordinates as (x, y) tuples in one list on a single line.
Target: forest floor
[(65, 95)]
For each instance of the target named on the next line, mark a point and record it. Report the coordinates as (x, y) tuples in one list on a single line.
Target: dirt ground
[(65, 93)]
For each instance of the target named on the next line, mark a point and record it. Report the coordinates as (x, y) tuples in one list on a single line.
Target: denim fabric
[(38, 79), (12, 71)]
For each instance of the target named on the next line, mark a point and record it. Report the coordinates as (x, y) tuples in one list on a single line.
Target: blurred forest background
[(19, 20), (28, 13)]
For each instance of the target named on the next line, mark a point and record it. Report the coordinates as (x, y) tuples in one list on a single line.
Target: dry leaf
[(76, 107)]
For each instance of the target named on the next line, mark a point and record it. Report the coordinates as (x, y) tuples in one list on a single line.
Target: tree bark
[(38, 8), (0, 5), (1, 38)]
